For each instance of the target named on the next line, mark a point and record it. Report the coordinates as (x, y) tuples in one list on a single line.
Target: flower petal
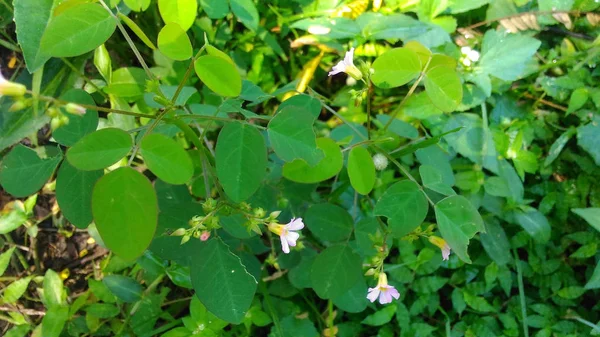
[(338, 68), (393, 292), (295, 225), (385, 297), (373, 294), (284, 244), (349, 58), (446, 252), (291, 238)]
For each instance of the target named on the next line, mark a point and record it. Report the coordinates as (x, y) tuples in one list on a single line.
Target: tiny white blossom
[(380, 161), (288, 234), (383, 291)]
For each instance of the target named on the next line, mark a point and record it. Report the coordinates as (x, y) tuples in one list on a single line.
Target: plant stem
[(521, 294), (87, 80), (410, 92)]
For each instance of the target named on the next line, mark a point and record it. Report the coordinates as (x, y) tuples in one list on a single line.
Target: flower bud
[(185, 239), (17, 106), (75, 109), (52, 112), (8, 88), (259, 212), (274, 214), (204, 236), (179, 232)]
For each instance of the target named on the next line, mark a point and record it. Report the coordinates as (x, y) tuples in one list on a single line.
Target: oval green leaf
[(99, 149), (241, 160), (167, 159), (78, 30), (125, 288), (361, 170), (182, 12), (23, 173), (443, 87), (174, 42), (74, 193), (335, 271), (222, 282), (300, 172), (329, 222), (458, 221), (78, 126), (405, 206), (137, 5), (219, 75), (125, 210), (396, 67)]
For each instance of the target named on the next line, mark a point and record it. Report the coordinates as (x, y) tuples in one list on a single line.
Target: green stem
[(410, 92), (369, 110), (521, 294), (87, 80), (20, 256)]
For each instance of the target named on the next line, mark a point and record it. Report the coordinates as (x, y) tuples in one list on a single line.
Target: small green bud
[(179, 232)]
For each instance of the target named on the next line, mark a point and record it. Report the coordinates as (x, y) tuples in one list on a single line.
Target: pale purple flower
[(383, 291), (289, 234), (347, 66)]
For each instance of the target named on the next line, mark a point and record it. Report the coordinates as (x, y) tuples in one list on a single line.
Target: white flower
[(288, 233), (75, 109), (383, 291), (380, 161), (470, 56), (347, 66)]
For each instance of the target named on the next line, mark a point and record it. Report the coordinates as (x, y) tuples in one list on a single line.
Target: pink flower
[(288, 233), (383, 290), (204, 236), (442, 245)]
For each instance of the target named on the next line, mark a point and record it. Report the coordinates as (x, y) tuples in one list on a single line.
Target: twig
[(486, 22), (30, 312)]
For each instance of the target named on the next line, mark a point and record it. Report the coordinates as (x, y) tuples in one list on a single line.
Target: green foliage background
[(476, 121)]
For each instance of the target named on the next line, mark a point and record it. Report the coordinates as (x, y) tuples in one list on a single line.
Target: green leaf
[(478, 303), (127, 83), (495, 242), (396, 67), (335, 271), (361, 170), (354, 300), (588, 138), (125, 288), (137, 5), (241, 160), (77, 30), (16, 126), (125, 210), (246, 12), (535, 224), (54, 321), (292, 136), (222, 282), (329, 222), (181, 12), (219, 75), (78, 126), (5, 259), (215, 9), (578, 99), (591, 215), (443, 87), (505, 55), (31, 19), (100, 149), (458, 222), (167, 159), (13, 218), (405, 206), (558, 145), (433, 180), (102, 310), (15, 290), (571, 293), (592, 283), (74, 193), (174, 43), (381, 316), (300, 172), (53, 290), (23, 173), (400, 127)]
